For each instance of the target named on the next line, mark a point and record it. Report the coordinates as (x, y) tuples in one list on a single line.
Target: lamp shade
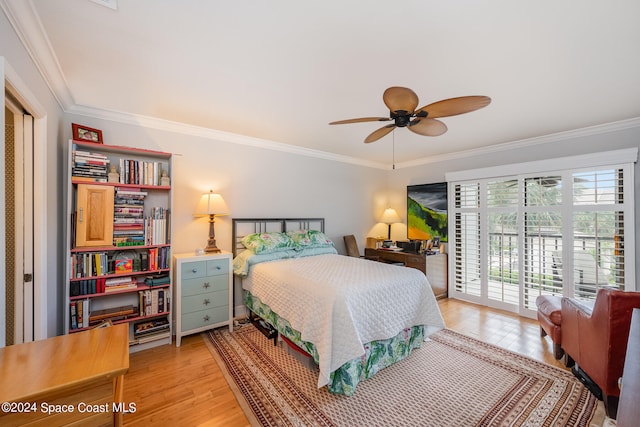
[(390, 216), (211, 204)]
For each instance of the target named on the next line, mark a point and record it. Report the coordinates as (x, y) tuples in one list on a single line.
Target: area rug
[(452, 380)]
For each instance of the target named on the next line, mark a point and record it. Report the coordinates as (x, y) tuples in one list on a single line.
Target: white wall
[(255, 183)]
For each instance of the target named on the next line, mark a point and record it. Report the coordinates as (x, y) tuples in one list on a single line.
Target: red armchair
[(596, 339)]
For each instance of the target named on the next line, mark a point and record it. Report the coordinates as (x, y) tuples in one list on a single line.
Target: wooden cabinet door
[(94, 215)]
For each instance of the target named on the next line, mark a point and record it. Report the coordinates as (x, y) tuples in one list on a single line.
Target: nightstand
[(203, 293)]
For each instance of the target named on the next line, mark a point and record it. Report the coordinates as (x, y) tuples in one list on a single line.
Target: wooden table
[(65, 379)]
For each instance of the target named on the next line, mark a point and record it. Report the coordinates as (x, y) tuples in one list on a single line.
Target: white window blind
[(467, 240), (559, 232), (502, 242)]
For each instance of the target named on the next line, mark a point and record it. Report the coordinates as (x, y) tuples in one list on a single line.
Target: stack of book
[(115, 284), (154, 301), (89, 264), (113, 314), (157, 280), (150, 330), (79, 314), (140, 172), (159, 258), (128, 217), (87, 166), (87, 287), (156, 226)]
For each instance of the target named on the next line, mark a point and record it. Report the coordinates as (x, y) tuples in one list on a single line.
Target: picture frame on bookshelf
[(85, 133)]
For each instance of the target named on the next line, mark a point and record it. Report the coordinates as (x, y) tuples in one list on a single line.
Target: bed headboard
[(245, 226)]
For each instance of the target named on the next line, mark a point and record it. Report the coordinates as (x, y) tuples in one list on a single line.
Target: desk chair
[(351, 245)]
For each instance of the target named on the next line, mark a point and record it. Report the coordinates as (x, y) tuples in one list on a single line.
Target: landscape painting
[(427, 211)]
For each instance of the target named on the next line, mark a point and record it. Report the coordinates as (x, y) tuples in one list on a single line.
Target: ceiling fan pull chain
[(393, 135)]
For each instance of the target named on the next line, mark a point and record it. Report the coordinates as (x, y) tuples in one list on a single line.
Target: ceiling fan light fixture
[(402, 103), (401, 118)]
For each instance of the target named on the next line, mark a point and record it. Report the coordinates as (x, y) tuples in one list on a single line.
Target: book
[(73, 315), (121, 287), (164, 279), (111, 313), (149, 326)]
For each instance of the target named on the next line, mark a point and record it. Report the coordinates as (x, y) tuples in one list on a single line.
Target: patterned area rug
[(452, 380)]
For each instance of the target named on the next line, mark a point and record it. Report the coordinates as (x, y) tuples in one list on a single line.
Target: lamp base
[(211, 243)]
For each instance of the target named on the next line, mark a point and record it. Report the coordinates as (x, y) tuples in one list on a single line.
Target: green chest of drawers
[(203, 287)]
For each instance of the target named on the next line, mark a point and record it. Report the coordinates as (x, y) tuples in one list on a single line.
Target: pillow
[(264, 243), (309, 238), (317, 250), (246, 259)]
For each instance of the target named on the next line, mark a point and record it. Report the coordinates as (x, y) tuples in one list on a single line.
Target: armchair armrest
[(574, 315)]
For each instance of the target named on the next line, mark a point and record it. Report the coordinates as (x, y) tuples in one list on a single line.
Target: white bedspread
[(339, 303)]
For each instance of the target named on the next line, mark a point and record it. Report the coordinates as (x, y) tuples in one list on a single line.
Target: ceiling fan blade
[(400, 98), (377, 134), (427, 127), (360, 120), (454, 106)]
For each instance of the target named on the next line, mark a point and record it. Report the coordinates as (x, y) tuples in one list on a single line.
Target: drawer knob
[(206, 318), (206, 301), (218, 267), (206, 285), (195, 270)]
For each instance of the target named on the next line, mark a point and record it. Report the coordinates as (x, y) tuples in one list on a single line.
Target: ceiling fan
[(402, 103)]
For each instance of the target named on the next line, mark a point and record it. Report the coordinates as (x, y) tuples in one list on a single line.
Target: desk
[(433, 266), (82, 371)]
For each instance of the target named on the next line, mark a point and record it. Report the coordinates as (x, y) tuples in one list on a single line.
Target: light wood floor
[(184, 386)]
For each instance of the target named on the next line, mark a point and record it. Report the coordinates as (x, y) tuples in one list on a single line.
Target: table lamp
[(390, 216), (213, 205)]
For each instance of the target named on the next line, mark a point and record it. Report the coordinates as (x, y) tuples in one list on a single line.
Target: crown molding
[(218, 135), (26, 23), (591, 160), (528, 142)]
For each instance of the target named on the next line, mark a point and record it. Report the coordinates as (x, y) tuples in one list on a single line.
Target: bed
[(351, 315)]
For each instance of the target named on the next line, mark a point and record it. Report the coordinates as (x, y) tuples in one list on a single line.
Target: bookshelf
[(118, 248)]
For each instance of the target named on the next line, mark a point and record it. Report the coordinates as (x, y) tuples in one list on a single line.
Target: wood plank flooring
[(184, 386)]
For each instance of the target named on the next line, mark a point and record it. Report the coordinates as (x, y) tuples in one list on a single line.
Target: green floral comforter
[(378, 354)]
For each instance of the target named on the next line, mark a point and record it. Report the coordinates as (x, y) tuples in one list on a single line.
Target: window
[(558, 232)]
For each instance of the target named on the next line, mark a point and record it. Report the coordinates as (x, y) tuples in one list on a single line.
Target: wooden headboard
[(245, 226)]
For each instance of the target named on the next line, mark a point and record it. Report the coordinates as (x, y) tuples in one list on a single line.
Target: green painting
[(427, 211)]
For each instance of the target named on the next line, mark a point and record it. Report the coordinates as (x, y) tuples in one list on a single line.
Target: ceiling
[(277, 72)]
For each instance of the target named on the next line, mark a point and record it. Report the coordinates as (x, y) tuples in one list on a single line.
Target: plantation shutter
[(502, 241), (598, 230), (547, 232), (542, 243), (467, 239)]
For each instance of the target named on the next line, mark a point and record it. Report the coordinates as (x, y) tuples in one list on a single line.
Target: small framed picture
[(84, 133)]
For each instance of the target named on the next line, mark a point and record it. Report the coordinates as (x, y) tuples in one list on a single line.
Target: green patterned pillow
[(264, 243), (309, 238)]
